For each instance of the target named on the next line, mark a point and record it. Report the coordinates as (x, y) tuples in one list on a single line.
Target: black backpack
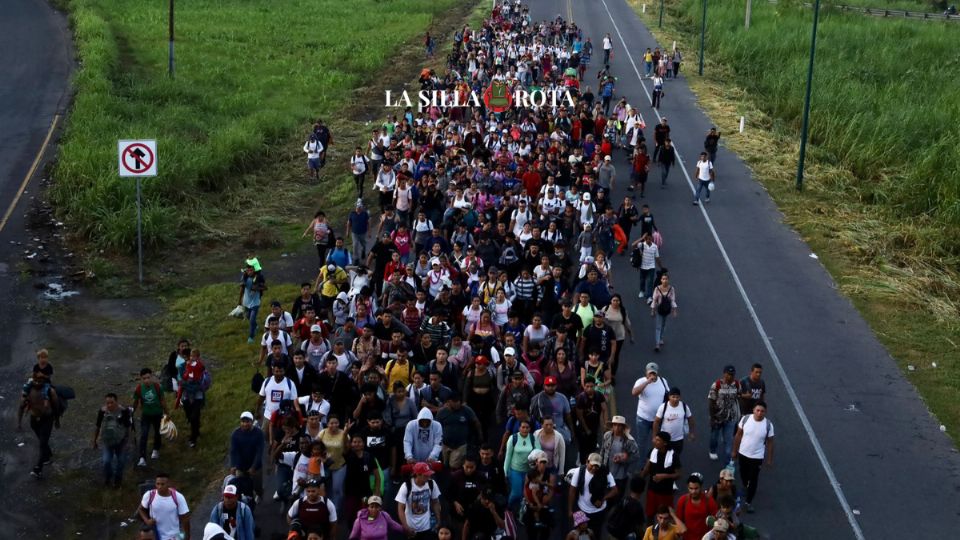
[(665, 307), (636, 257)]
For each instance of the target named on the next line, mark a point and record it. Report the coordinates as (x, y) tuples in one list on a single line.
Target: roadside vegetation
[(881, 199), (250, 77)]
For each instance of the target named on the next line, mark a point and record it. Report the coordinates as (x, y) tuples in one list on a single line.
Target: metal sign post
[(137, 159)]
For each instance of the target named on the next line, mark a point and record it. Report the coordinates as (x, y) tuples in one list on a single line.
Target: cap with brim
[(313, 483), (509, 351), (579, 518), (730, 369), (316, 328), (422, 468), (373, 499), (246, 415), (727, 474), (594, 459), (619, 420), (652, 367), (230, 491)]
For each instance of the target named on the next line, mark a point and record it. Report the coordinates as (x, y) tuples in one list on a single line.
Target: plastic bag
[(658, 239), (167, 428), (237, 312)]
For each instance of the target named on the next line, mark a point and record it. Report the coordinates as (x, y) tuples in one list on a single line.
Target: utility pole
[(171, 40), (806, 103), (703, 34), (661, 15), (746, 21)]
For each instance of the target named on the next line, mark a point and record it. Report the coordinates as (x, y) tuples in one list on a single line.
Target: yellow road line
[(33, 169)]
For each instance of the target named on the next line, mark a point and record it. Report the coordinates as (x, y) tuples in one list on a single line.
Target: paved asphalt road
[(749, 291)]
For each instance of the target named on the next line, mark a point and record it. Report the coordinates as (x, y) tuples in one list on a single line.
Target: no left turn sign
[(137, 157)]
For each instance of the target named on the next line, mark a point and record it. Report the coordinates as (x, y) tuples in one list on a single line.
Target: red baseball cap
[(550, 381), (422, 468)]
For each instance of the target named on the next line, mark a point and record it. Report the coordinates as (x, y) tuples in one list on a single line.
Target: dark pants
[(657, 94), (425, 535), (192, 409), (358, 180), (146, 422), (596, 523), (586, 444), (42, 426), (114, 460), (322, 253), (664, 173), (750, 475)]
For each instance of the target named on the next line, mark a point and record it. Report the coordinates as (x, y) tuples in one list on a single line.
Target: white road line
[(753, 314)]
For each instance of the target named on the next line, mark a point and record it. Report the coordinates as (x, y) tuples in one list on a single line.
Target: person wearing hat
[(418, 499), (550, 403), (252, 285), (606, 174), (314, 512), (233, 515), (375, 523), (720, 531), (591, 488), (724, 404), (619, 451), (650, 391), (581, 527), (329, 282), (674, 417), (518, 391), (246, 451)]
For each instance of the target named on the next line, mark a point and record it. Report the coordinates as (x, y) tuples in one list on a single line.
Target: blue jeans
[(702, 187), (725, 430), (648, 66), (252, 313), (113, 461), (661, 325), (644, 436), (647, 277), (516, 488)]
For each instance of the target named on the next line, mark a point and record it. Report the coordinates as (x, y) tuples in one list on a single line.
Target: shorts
[(654, 500), (313, 163)]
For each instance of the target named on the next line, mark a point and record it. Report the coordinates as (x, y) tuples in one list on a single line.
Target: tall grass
[(249, 75), (884, 104)]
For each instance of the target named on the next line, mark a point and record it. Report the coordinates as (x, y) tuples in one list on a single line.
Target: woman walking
[(515, 465), (617, 318), (322, 234), (664, 305)]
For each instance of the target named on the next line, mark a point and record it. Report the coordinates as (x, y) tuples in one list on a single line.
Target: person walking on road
[(165, 510), (657, 92), (703, 169), (753, 444), (233, 515), (650, 391), (752, 389), (660, 133), (724, 406), (148, 396), (663, 305), (711, 143), (674, 417), (246, 451), (667, 158), (358, 225), (114, 423), (649, 262), (607, 49), (41, 400), (313, 148)]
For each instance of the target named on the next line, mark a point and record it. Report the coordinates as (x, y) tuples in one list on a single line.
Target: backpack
[(636, 257), (509, 256), (153, 495), (619, 519), (665, 307), (206, 380), (409, 483), (114, 426)]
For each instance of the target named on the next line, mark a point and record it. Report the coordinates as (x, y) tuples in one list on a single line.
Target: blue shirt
[(340, 257), (359, 222)]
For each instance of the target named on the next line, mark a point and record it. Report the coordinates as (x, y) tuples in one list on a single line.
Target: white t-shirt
[(651, 398), (166, 512), (295, 509), (322, 406), (753, 444), (583, 501), (283, 338), (703, 170), (672, 419), (299, 468), (285, 320), (417, 504), (274, 392), (607, 43), (649, 255)]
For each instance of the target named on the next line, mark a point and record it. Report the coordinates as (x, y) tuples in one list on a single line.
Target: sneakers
[(155, 454), (641, 296), (656, 349), (714, 457), (193, 444), (249, 340), (706, 200), (650, 301), (142, 463), (276, 495), (696, 203)]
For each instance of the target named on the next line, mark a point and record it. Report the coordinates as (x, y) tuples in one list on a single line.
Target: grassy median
[(250, 76), (881, 199)]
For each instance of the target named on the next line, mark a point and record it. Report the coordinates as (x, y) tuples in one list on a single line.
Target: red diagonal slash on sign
[(137, 158)]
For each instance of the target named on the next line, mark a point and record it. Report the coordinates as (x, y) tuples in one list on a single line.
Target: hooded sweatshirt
[(377, 529), (419, 443)]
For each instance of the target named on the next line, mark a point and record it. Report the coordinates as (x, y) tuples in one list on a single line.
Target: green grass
[(880, 203), (201, 315), (249, 77)]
